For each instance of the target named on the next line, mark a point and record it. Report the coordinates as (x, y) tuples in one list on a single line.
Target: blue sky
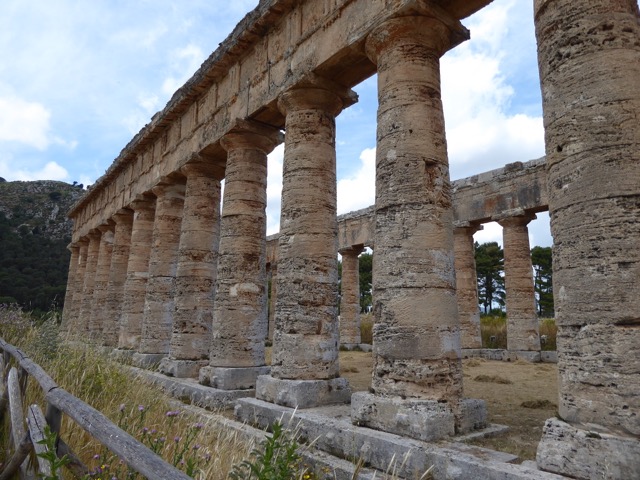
[(79, 79)]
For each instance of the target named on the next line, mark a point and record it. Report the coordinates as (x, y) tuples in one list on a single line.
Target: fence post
[(36, 423), (16, 413)]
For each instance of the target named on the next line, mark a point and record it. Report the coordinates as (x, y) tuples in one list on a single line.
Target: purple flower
[(141, 408), (199, 426), (96, 456), (176, 439)]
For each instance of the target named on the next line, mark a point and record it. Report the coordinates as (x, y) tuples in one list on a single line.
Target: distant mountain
[(34, 233)]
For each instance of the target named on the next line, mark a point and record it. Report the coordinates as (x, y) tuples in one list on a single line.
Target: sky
[(79, 79)]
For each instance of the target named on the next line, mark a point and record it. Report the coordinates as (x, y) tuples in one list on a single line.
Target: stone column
[(236, 357), (417, 374), (523, 335), (135, 285), (78, 285), (589, 60), (86, 307), (350, 298), (74, 248), (304, 366), (157, 321), (117, 276), (97, 317), (273, 277), (467, 285), (196, 272)]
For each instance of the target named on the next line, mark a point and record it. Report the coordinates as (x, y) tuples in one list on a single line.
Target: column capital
[(143, 202), (170, 186), (106, 227), (352, 250), (199, 167), (436, 34), (73, 246), (249, 134), (94, 234), (466, 228), (317, 93), (123, 216), (521, 220)]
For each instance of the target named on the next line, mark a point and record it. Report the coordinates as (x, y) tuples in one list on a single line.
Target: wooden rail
[(58, 402)]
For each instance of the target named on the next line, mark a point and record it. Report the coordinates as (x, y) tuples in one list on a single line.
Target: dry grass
[(139, 408), (366, 328), (492, 379)]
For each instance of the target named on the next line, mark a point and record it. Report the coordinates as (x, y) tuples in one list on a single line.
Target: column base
[(302, 393), (426, 420), (231, 378), (122, 355), (584, 454), (358, 347), (172, 367), (147, 360)]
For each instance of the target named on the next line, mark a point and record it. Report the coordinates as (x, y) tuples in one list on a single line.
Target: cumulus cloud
[(50, 171), (358, 190), (482, 131), (24, 122), (183, 63)]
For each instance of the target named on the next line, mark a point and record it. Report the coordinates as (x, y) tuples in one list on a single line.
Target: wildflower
[(198, 426), (141, 408), (121, 408), (173, 413), (96, 456), (196, 446), (153, 431), (176, 439), (145, 430)]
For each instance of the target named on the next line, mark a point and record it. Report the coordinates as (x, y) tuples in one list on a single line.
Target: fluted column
[(86, 307), (97, 316), (589, 60), (195, 273), (135, 285), (417, 374), (157, 321), (74, 248), (123, 219), (305, 342), (350, 297), (523, 335), (240, 327), (467, 285)]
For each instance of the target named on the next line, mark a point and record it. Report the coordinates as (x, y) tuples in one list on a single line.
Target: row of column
[(416, 386)]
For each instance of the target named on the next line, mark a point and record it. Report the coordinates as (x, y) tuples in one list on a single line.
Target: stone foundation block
[(584, 454), (302, 393), (225, 378), (425, 420), (181, 368), (361, 347), (147, 360), (528, 355), (550, 356)]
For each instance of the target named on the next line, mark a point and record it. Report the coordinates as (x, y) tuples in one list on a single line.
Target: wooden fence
[(24, 439)]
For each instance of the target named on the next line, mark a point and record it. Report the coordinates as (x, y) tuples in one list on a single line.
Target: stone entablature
[(276, 46)]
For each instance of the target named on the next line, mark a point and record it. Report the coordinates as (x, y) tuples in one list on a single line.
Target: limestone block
[(302, 393), (231, 378), (587, 454)]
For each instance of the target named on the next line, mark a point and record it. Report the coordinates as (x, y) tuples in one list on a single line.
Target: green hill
[(34, 234)]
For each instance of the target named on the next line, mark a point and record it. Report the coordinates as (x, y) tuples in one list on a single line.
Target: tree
[(541, 259), (489, 269), (366, 278)]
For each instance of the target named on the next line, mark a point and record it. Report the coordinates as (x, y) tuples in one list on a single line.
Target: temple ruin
[(161, 274)]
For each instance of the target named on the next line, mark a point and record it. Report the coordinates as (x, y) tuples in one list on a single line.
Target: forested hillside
[(34, 234)]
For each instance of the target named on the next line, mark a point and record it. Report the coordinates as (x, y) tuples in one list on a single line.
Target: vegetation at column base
[(493, 329)]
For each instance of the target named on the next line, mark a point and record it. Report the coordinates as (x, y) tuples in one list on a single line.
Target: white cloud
[(482, 134), (24, 122), (184, 62), (491, 232), (274, 189), (50, 171), (359, 190)]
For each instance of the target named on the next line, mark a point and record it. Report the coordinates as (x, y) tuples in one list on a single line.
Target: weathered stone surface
[(157, 321), (522, 320), (467, 285), (86, 301), (350, 297), (195, 272), (587, 454), (117, 277), (302, 393), (305, 342), (74, 248), (589, 61), (135, 285), (417, 330), (234, 378), (96, 317), (240, 323)]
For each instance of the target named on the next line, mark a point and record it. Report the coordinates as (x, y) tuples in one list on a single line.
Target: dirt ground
[(504, 386)]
